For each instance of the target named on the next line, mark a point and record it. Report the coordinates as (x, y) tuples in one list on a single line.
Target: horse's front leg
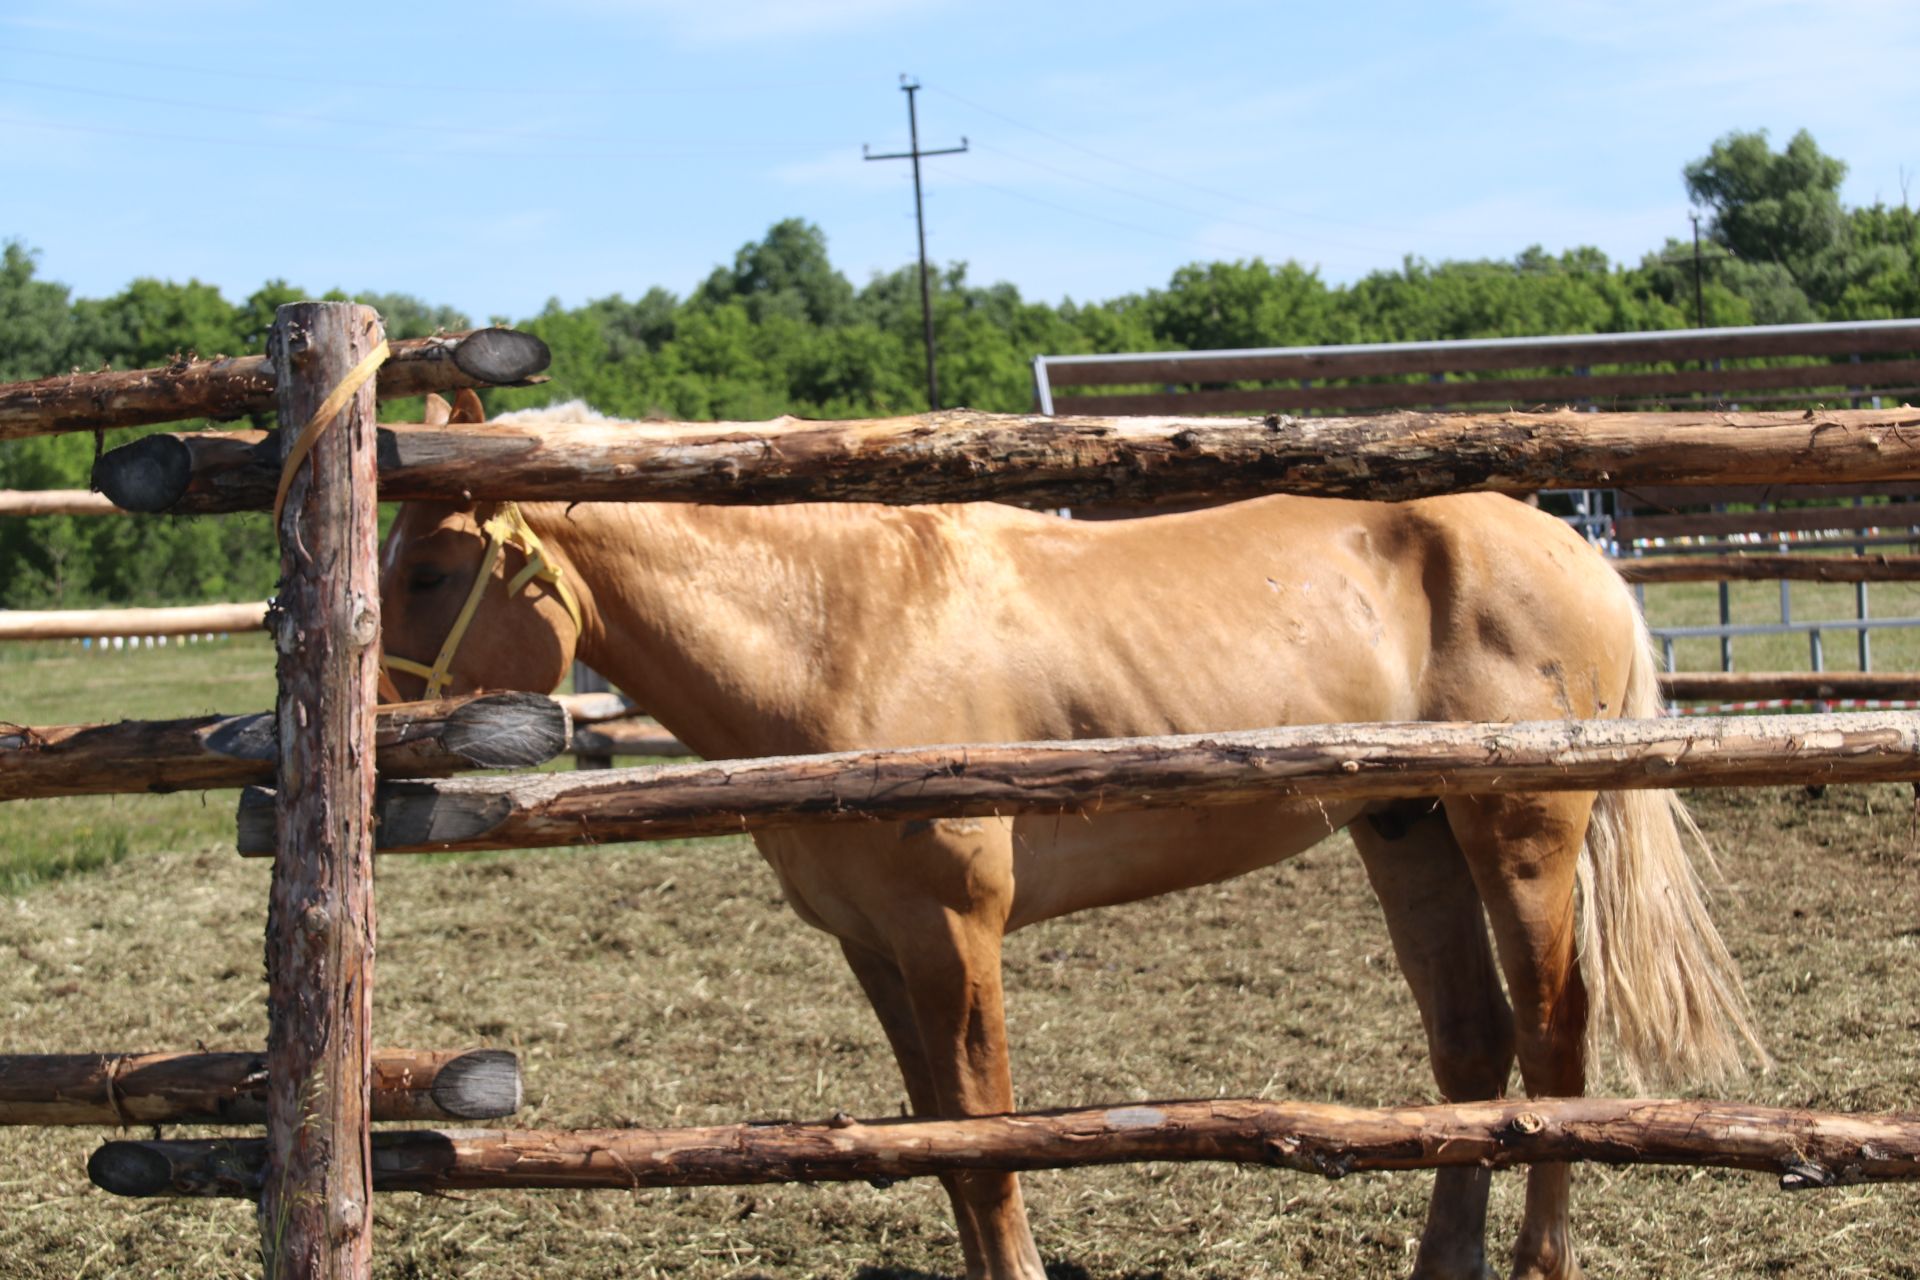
[(938, 993)]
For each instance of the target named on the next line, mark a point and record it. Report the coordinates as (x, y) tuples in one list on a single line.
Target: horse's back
[(1292, 610)]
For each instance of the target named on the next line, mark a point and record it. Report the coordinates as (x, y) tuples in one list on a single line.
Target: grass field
[(668, 984)]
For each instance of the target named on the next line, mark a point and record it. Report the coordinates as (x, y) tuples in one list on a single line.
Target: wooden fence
[(314, 1172), (1824, 363)]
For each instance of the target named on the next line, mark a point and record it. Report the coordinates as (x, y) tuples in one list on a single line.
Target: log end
[(408, 815), (501, 355), (247, 737), (151, 474), (508, 731), (414, 814), (481, 1085), (130, 1169), (254, 833)]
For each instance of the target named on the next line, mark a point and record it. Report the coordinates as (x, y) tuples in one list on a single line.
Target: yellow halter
[(504, 527)]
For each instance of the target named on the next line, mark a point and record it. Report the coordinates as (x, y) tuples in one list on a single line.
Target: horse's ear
[(439, 412), (467, 406)]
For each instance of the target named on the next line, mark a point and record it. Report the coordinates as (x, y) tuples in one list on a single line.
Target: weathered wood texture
[(231, 1088), (629, 737), (592, 708), (1767, 568), (55, 502), (1052, 462), (1808, 686), (316, 1217), (1326, 762), (1803, 1148), (180, 620), (231, 387), (416, 739)]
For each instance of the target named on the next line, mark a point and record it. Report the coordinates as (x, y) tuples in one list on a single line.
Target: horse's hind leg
[(1440, 939), (1524, 851)]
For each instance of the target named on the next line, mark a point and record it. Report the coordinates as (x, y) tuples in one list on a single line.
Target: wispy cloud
[(756, 21)]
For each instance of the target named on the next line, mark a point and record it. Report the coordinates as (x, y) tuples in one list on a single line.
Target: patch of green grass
[(47, 684), (1687, 604)]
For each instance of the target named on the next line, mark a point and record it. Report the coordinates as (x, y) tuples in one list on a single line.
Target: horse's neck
[(713, 618)]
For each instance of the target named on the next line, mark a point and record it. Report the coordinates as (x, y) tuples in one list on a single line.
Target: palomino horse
[(789, 629)]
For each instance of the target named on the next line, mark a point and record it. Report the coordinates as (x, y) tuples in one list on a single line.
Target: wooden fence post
[(316, 1205)]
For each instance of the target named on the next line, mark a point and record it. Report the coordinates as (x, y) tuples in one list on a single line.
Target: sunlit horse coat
[(751, 631)]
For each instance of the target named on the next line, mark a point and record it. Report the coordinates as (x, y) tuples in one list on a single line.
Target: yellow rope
[(329, 409)]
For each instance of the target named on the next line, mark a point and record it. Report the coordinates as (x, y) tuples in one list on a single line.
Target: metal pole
[(911, 87), (1699, 305), (920, 226)]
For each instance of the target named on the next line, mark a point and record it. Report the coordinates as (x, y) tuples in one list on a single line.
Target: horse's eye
[(425, 577)]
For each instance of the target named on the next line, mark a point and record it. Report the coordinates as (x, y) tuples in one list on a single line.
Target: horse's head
[(470, 598)]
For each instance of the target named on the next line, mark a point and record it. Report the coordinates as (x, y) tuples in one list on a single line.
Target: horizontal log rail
[(1318, 762), (960, 455), (55, 502), (593, 708), (1769, 568), (634, 737), (1803, 686), (1805, 1149), (232, 387), (177, 620), (490, 731), (231, 1088)]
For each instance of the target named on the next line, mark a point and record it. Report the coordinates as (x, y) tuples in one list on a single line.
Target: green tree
[(787, 273)]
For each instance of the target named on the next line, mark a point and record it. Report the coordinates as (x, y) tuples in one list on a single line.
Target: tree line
[(781, 330)]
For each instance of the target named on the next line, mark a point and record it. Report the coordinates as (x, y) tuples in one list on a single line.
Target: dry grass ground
[(668, 984)]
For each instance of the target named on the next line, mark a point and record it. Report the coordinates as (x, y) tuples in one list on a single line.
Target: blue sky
[(494, 156)]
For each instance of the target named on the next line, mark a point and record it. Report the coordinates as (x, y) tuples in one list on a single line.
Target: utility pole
[(911, 87), (1699, 306)]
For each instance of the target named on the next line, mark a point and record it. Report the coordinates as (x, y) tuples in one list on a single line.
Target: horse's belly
[(1069, 863)]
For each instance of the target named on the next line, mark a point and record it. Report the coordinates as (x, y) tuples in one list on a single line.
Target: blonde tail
[(1659, 980)]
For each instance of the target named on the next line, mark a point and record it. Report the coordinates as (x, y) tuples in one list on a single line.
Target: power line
[(1169, 204), (337, 148), (1100, 217), (352, 122), (416, 86), (1166, 177)]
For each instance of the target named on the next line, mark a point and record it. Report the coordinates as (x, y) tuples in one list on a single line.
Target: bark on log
[(232, 387), (1804, 686), (631, 737), (55, 502), (316, 1215), (1323, 762), (1804, 1148), (82, 624), (231, 1088), (1767, 568), (411, 740), (961, 455)]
